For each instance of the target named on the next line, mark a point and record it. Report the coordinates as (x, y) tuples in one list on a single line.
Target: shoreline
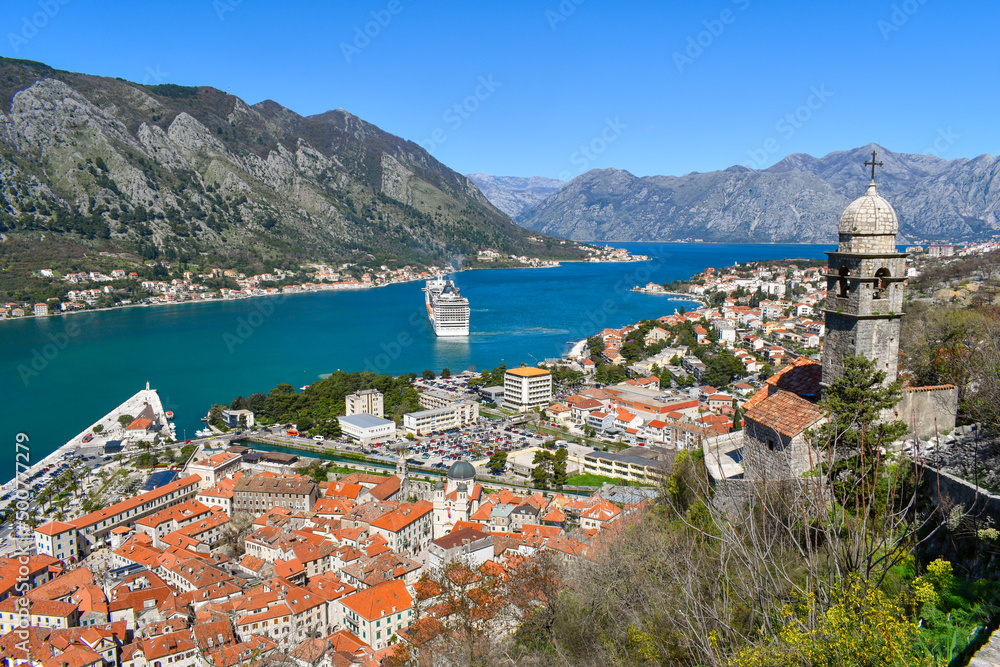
[(57, 315), (109, 423)]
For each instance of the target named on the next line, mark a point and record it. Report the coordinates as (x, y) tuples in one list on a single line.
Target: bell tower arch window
[(845, 288), (881, 283)]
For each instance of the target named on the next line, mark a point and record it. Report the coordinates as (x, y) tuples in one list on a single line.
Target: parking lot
[(473, 443)]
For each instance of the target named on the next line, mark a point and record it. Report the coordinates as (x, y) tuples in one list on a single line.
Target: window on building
[(882, 283)]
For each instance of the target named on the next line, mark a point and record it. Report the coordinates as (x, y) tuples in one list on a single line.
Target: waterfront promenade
[(110, 430)]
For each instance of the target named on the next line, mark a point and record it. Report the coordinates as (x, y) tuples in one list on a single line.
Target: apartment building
[(366, 402), (260, 493), (93, 529), (526, 387), (456, 415)]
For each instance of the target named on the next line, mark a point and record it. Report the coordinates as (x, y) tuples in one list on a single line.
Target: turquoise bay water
[(59, 374)]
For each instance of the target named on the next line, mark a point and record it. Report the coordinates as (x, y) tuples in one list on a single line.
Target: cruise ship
[(447, 309)]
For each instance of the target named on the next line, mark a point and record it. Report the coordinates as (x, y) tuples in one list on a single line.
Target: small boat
[(204, 419), (170, 414)]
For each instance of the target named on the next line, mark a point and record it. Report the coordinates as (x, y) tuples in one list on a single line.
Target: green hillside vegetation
[(192, 174), (315, 410)]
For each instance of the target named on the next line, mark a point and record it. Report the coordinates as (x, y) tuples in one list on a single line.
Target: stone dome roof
[(869, 214), (461, 470)]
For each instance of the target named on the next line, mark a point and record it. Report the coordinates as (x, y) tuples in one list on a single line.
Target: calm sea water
[(59, 374)]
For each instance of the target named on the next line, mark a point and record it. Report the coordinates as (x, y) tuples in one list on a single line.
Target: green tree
[(855, 403), (632, 350), (97, 428), (428, 374), (498, 461), (543, 469), (595, 344), (215, 415), (255, 402), (559, 475), (125, 420), (446, 373)]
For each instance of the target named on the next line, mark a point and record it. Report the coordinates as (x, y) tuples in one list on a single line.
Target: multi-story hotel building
[(367, 402), (457, 415), (526, 387)]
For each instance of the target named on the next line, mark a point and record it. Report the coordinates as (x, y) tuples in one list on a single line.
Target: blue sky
[(554, 88)]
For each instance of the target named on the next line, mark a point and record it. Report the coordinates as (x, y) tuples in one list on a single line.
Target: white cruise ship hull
[(447, 310)]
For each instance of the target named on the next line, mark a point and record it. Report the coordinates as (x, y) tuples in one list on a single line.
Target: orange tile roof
[(401, 517), (527, 371), (55, 528), (784, 412), (801, 377), (217, 459), (74, 656), (40, 607), (137, 501), (380, 600)]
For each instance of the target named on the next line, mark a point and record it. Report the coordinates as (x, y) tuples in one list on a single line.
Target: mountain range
[(194, 174), (514, 194), (799, 199)]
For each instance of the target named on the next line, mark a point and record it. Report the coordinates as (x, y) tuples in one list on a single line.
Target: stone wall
[(974, 499), (769, 455), (929, 411), (764, 455), (788, 496)]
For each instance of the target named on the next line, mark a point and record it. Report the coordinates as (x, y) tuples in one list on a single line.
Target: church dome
[(869, 214), (461, 470)]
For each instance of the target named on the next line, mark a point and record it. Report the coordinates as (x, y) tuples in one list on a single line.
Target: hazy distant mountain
[(513, 194), (800, 199), (195, 174)]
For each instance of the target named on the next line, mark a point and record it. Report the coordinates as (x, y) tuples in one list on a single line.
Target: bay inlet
[(59, 374)]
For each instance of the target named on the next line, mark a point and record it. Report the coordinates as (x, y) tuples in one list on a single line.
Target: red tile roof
[(379, 601), (784, 412)]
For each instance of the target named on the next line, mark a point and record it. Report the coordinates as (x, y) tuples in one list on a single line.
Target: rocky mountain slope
[(800, 199), (514, 194), (194, 174)]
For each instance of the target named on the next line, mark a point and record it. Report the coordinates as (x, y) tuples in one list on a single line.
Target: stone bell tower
[(864, 301)]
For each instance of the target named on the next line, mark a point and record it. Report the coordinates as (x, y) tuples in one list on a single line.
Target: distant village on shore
[(121, 287)]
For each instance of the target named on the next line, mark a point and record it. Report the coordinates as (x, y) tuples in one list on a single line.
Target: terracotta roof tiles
[(785, 412)]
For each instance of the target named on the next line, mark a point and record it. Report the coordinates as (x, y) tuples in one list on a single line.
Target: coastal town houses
[(406, 529), (469, 544), (213, 469), (92, 529), (306, 578), (259, 493), (376, 613)]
